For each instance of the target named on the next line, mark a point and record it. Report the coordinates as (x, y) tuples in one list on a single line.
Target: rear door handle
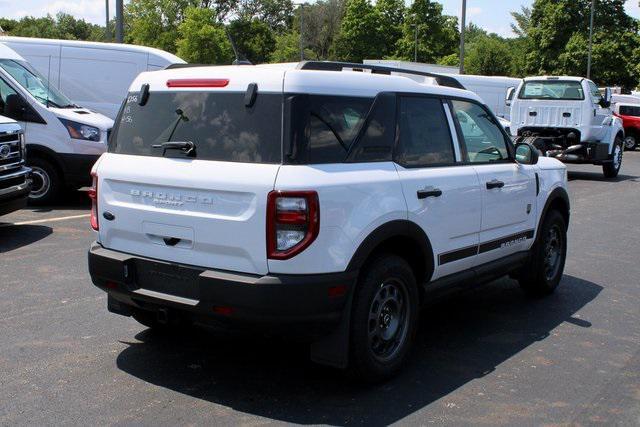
[(429, 192), (494, 184)]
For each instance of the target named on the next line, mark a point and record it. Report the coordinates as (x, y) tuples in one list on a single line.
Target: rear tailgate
[(208, 210)]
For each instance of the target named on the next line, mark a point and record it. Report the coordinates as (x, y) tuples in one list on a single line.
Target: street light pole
[(462, 29), (301, 31), (593, 7), (415, 43), (107, 33), (119, 21)]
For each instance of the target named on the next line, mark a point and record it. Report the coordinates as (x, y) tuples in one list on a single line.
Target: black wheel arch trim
[(557, 193), (394, 229), (45, 153)]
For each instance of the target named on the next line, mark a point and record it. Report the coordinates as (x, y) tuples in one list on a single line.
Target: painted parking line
[(42, 221)]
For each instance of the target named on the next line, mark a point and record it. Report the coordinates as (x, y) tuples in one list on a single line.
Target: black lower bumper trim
[(149, 284)]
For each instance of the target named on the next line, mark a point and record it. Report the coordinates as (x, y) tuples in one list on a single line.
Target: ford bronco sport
[(568, 119), (328, 198)]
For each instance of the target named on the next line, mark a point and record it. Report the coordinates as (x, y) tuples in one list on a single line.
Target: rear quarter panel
[(355, 199)]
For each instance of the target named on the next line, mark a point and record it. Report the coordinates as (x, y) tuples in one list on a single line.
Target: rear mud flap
[(333, 349)]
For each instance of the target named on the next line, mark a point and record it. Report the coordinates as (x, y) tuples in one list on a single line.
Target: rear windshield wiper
[(188, 148)]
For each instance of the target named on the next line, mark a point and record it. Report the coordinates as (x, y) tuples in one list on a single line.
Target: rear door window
[(425, 136), (218, 123), (628, 110)]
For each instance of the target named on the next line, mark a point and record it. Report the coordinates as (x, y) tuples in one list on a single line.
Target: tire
[(611, 169), (545, 267), (384, 318), (47, 182), (630, 142)]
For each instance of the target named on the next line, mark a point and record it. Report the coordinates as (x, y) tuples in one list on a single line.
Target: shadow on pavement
[(598, 176), (462, 338), (71, 200), (16, 236)]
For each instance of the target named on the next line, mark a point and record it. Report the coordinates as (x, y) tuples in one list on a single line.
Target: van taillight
[(93, 195), (293, 222)]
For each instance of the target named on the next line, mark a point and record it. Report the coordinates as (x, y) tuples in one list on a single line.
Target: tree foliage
[(551, 36), (438, 34), (202, 39)]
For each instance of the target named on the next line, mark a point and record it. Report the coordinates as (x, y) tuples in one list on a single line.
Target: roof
[(7, 53), (269, 79), (563, 78), (170, 58)]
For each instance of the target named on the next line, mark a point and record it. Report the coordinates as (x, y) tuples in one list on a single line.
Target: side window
[(333, 124), (377, 140), (482, 138), (425, 137), (595, 92), (9, 101)]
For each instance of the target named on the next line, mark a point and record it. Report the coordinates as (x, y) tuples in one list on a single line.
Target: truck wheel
[(612, 168), (544, 269), (384, 318), (630, 142), (46, 184)]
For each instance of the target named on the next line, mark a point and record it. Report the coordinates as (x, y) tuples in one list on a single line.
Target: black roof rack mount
[(378, 69)]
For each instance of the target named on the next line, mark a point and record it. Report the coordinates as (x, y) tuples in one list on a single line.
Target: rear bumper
[(134, 282)]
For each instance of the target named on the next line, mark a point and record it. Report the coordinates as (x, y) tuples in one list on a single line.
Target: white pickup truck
[(567, 118)]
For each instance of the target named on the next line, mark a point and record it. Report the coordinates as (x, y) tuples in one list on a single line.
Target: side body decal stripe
[(492, 245)]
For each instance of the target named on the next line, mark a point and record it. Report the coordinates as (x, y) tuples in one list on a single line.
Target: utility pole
[(119, 21), (462, 30), (593, 7), (415, 42), (107, 33), (301, 32)]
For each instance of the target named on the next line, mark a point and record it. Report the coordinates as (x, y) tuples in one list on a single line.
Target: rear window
[(552, 89), (628, 110), (219, 124)]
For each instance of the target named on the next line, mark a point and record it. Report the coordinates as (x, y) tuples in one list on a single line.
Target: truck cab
[(63, 139), (567, 118), (15, 183)]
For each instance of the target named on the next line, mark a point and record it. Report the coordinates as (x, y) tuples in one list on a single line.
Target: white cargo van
[(92, 74), (63, 139)]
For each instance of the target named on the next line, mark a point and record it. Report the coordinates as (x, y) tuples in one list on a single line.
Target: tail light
[(293, 222), (93, 195)]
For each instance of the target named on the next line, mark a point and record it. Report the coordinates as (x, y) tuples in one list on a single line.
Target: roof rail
[(178, 65), (377, 69)]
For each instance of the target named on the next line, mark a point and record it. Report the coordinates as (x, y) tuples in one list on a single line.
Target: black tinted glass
[(219, 124), (376, 142), (425, 138), (323, 128), (627, 110)]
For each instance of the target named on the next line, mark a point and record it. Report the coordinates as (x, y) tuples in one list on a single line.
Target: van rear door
[(205, 207)]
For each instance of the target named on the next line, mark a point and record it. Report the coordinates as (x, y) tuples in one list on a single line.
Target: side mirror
[(510, 92), (17, 108), (526, 154), (606, 99)]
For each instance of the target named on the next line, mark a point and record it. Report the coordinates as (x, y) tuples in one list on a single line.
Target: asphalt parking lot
[(488, 356)]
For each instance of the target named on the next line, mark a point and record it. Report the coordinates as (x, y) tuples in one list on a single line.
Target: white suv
[(319, 198), (568, 119)]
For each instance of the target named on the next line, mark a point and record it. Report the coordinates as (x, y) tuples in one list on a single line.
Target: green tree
[(287, 48), (390, 23), (438, 34), (155, 22), (359, 37), (322, 22), (488, 56), (202, 39), (557, 32), (253, 39), (522, 21)]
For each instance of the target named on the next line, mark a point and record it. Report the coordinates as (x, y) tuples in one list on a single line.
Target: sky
[(492, 15)]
